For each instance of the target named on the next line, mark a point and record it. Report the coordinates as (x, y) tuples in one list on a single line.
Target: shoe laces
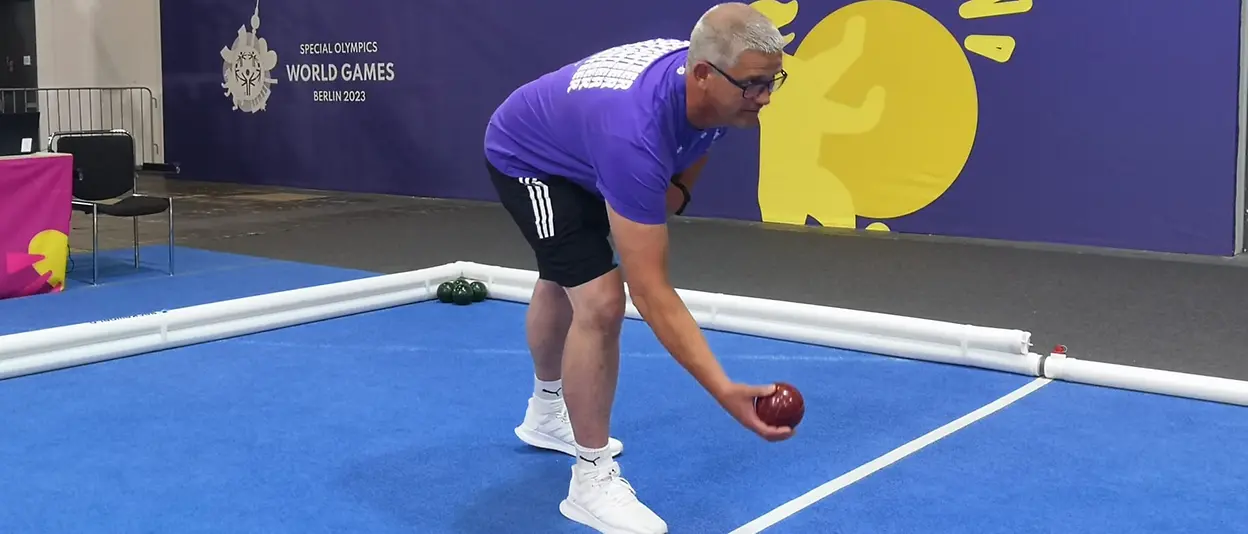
[(617, 489), (562, 414)]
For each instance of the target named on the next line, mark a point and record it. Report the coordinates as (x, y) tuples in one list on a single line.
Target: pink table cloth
[(36, 191)]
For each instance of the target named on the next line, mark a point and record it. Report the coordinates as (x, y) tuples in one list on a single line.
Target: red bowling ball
[(785, 407)]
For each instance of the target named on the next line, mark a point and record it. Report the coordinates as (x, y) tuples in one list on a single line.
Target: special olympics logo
[(247, 68)]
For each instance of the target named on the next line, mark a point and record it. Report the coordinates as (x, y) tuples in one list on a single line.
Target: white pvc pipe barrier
[(905, 337), (1156, 381), (997, 349), (892, 335), (83, 343)]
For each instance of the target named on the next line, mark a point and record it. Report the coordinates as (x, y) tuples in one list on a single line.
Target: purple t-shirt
[(614, 123)]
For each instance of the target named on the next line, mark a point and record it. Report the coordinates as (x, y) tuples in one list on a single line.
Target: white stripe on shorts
[(543, 211)]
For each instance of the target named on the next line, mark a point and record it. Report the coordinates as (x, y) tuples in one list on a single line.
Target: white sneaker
[(599, 498), (546, 425)]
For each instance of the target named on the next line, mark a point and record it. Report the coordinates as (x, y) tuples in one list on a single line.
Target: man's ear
[(701, 71)]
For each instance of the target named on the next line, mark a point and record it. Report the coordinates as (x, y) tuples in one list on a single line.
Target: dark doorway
[(17, 55)]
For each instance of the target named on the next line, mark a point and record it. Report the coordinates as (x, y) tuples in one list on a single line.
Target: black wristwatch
[(683, 191)]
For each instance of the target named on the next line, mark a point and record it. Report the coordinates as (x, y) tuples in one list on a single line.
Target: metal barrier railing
[(76, 109)]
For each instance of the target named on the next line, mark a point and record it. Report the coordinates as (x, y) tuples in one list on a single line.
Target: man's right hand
[(643, 254), (738, 400)]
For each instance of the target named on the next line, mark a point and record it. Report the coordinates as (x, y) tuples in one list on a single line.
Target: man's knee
[(600, 304)]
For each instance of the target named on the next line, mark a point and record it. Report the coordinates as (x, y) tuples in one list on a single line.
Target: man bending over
[(610, 146)]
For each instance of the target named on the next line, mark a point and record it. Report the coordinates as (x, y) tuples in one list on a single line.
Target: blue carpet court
[(400, 421)]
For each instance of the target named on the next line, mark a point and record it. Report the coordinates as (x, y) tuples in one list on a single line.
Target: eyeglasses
[(753, 88)]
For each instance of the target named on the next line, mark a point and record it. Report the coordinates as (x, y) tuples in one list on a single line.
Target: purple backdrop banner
[(1109, 123)]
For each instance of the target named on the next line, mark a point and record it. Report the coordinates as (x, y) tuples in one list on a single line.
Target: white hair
[(725, 31)]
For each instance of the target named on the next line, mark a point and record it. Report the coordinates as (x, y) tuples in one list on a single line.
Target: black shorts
[(565, 225)]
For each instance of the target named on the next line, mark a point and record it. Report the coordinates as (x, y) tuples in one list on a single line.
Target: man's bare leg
[(591, 362), (547, 324), (598, 495)]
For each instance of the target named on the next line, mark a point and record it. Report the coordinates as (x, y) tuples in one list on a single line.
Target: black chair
[(105, 170)]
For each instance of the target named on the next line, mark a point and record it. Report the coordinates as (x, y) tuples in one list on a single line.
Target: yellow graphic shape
[(998, 48), (978, 9), (919, 148), (53, 246), (877, 118), (792, 184), (878, 227)]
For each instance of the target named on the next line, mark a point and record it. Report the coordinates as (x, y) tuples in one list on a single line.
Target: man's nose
[(763, 98)]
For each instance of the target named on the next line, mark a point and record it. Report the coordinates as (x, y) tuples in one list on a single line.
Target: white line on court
[(832, 486)]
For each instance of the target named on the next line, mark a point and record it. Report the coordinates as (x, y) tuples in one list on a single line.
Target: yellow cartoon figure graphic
[(791, 182), (876, 119)]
